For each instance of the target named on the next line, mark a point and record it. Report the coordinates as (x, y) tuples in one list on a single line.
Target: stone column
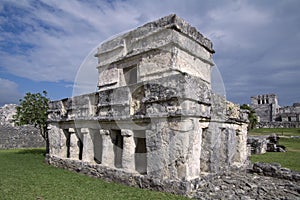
[(193, 162), (128, 161), (57, 141), (241, 145), (155, 153), (88, 146), (195, 148), (230, 145), (108, 157), (53, 132), (74, 147)]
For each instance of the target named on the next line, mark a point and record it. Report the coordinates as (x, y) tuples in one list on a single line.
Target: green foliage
[(252, 116), (24, 175), (33, 110)]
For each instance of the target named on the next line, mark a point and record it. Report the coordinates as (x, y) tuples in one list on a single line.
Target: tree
[(33, 110), (252, 116)]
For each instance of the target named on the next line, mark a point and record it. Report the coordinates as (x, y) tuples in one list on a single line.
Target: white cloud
[(233, 25), (8, 92), (57, 37), (53, 37)]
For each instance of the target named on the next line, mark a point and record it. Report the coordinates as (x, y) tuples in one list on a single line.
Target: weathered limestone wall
[(12, 137), (225, 137), (154, 114)]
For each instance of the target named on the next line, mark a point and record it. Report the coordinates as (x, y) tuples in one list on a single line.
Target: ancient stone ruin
[(155, 122), (263, 144), (272, 115), (14, 137)]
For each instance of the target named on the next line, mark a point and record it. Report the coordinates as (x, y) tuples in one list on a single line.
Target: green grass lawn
[(289, 159), (24, 175), (278, 131)]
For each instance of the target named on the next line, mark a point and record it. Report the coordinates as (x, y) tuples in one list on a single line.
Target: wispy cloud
[(8, 92), (255, 41), (50, 39)]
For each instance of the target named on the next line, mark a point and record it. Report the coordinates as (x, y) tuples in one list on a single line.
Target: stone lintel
[(126, 132), (174, 22), (71, 130), (84, 130), (104, 132), (155, 35), (163, 39)]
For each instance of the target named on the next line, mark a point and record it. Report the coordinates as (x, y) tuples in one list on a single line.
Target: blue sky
[(49, 45)]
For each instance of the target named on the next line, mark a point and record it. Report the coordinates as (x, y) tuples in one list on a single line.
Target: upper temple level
[(162, 48), (264, 99)]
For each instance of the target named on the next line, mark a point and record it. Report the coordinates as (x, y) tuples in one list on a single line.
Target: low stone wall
[(278, 125), (235, 184), (13, 137), (275, 170), (121, 176)]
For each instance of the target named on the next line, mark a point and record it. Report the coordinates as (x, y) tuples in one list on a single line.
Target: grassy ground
[(24, 175), (278, 131), (289, 159)]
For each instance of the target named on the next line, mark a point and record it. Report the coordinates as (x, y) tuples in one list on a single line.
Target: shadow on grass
[(32, 151)]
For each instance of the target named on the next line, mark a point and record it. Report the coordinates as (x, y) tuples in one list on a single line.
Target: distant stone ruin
[(263, 144), (13, 137), (155, 122), (271, 115)]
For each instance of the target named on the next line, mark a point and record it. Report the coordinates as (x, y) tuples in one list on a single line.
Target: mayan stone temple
[(154, 121)]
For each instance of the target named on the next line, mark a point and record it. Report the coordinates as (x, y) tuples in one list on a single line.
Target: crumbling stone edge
[(274, 170)]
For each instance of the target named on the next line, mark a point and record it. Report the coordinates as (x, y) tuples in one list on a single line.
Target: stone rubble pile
[(275, 170), (245, 185), (263, 144)]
